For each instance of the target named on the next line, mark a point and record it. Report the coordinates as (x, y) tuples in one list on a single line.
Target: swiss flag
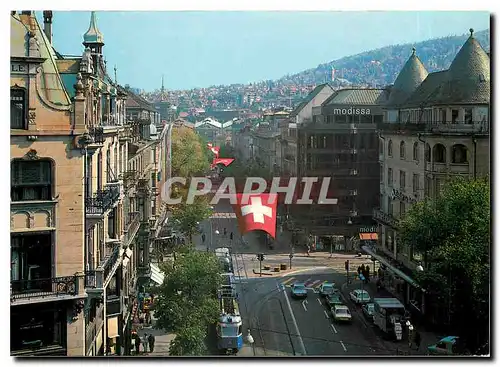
[(215, 150), (258, 212)]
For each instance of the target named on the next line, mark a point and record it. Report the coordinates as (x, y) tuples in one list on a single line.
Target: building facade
[(436, 126), (341, 142), (47, 199)]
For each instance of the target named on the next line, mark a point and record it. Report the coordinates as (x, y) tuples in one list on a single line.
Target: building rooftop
[(408, 80), (357, 97), (93, 35)]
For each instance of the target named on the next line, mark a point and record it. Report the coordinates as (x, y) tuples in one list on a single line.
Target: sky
[(200, 49)]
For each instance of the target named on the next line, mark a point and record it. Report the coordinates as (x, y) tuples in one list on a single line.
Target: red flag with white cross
[(258, 211)]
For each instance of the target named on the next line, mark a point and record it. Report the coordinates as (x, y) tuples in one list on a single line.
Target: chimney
[(47, 24)]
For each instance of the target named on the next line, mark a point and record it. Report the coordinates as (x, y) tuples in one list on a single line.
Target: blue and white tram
[(229, 327)]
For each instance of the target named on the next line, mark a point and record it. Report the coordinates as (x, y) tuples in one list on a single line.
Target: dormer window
[(468, 116)]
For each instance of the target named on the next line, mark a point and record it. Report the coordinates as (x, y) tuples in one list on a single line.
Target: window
[(389, 177), (443, 115), (439, 153), (377, 119), (365, 119), (341, 119), (454, 116), (459, 154), (402, 180), (415, 151), (99, 171), (389, 206), (31, 259), (402, 150), (17, 108), (416, 182), (468, 116), (31, 180), (381, 173), (427, 153), (402, 209), (389, 148)]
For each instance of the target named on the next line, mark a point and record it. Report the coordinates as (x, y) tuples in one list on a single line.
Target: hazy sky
[(199, 49)]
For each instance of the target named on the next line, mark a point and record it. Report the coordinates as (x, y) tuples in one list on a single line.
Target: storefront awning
[(396, 271), (157, 275), (113, 327), (368, 236)]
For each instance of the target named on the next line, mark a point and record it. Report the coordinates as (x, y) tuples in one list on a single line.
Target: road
[(280, 325)]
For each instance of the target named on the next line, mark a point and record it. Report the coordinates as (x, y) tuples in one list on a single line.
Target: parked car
[(299, 290), (326, 289), (341, 313), (368, 310), (446, 346), (360, 296), (334, 299)]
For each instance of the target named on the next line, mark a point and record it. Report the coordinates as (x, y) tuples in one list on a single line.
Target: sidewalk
[(428, 338), (162, 340)]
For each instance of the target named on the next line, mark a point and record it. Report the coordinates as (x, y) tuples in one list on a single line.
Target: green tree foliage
[(187, 215), (189, 154), (186, 302), (453, 233)]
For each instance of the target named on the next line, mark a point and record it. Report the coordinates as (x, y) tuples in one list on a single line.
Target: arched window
[(17, 108), (31, 180), (415, 151), (439, 153), (459, 154), (402, 150), (389, 148), (427, 153)]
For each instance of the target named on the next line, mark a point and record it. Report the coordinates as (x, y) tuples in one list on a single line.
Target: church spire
[(93, 38), (162, 85)]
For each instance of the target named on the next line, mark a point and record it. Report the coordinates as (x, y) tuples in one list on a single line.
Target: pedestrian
[(308, 250), (231, 236), (145, 342), (203, 238), (151, 340), (137, 344), (409, 326), (359, 270), (225, 231), (367, 273), (418, 340)]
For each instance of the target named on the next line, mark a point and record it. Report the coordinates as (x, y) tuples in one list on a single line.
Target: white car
[(341, 313), (360, 296)]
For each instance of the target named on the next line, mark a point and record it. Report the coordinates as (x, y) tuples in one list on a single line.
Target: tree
[(186, 303), (188, 215), (453, 233), (189, 155)]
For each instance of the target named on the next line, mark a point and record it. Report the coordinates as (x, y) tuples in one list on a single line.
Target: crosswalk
[(312, 284)]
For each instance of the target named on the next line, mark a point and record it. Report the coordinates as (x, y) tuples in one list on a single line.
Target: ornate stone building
[(436, 126)]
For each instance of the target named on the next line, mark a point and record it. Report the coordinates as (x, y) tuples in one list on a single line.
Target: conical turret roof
[(93, 35), (408, 80), (468, 78)]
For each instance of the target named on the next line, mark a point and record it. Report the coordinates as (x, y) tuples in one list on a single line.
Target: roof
[(408, 80), (388, 302), (427, 89), (356, 97), (467, 81), (134, 100), (309, 98), (50, 82), (93, 35)]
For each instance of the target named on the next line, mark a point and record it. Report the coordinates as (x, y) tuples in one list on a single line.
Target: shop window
[(31, 180)]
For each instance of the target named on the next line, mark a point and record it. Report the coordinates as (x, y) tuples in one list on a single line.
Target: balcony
[(49, 289), (436, 167), (459, 128), (130, 178), (132, 225), (97, 279), (385, 218), (402, 127), (97, 135), (103, 200)]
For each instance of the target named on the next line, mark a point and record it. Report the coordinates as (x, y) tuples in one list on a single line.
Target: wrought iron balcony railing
[(98, 277), (132, 225), (103, 200), (44, 287), (97, 134)]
